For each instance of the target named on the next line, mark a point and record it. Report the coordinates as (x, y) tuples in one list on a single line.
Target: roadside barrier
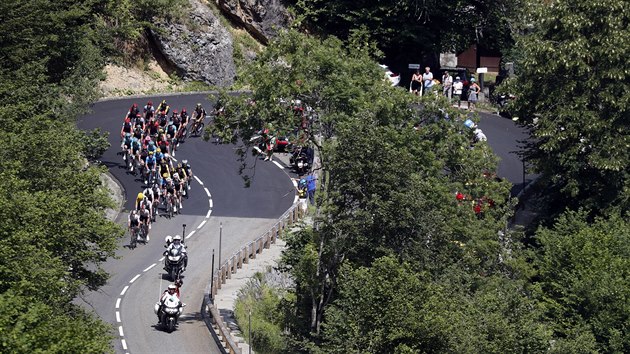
[(249, 251)]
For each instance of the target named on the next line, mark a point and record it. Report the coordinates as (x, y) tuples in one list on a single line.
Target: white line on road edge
[(190, 234), (201, 225), (149, 267), (279, 165), (124, 290), (207, 191), (134, 278), (296, 199), (118, 317), (294, 182), (161, 259), (120, 331), (118, 303), (124, 344), (198, 180), (209, 211)]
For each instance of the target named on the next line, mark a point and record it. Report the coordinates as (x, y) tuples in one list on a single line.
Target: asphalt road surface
[(218, 198)]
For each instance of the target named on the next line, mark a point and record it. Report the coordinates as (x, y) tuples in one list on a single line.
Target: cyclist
[(150, 164), (169, 193), (133, 222), (189, 172), (181, 172), (149, 111), (127, 127), (145, 218), (178, 186), (133, 112), (183, 118), (126, 147), (163, 107), (136, 146)]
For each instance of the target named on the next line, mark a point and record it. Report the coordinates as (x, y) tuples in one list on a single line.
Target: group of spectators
[(423, 84)]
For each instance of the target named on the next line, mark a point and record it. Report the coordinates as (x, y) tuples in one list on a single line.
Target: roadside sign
[(414, 66), (482, 70)]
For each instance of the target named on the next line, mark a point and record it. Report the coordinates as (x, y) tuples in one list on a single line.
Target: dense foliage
[(410, 30), (573, 82), (53, 232)]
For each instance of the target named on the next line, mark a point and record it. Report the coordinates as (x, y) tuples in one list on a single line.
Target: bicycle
[(133, 232), (170, 206), (197, 126)]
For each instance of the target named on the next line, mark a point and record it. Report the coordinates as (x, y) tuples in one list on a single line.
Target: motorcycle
[(170, 312), (174, 262)]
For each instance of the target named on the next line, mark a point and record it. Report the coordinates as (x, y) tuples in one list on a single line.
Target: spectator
[(416, 82), (311, 187), (458, 87), (447, 85), (427, 77), (473, 93)]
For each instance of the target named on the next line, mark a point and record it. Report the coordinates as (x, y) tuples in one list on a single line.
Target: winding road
[(218, 196)]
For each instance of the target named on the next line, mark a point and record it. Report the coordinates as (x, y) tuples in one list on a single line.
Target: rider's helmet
[(198, 105), (163, 102), (151, 142), (138, 115), (177, 238), (175, 175), (183, 110), (175, 112), (150, 153), (135, 105), (140, 196), (172, 288), (179, 165), (150, 103), (161, 131), (165, 175)]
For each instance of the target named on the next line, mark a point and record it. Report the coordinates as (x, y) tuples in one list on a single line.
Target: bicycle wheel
[(199, 129), (134, 238)]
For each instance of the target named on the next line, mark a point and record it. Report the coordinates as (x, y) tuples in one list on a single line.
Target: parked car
[(394, 79)]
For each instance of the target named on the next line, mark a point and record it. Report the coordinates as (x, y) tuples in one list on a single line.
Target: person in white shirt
[(447, 85), (427, 78), (458, 87)]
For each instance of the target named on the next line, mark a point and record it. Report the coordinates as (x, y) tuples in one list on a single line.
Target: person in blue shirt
[(311, 187)]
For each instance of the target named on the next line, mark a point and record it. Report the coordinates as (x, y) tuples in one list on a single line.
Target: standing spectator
[(311, 187), (416, 82), (427, 77), (458, 87), (447, 85), (473, 94)]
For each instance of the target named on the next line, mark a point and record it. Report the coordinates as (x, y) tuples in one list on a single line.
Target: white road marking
[(149, 267), (294, 183), (124, 290), (120, 331), (296, 199), (209, 211), (118, 317), (201, 225), (198, 180), (134, 278), (124, 344), (279, 165), (118, 303), (161, 259), (207, 191), (190, 234)]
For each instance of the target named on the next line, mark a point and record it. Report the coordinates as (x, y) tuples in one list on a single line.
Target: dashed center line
[(118, 316), (149, 267), (124, 290), (198, 180), (207, 191), (124, 344), (118, 303), (279, 165), (134, 278), (120, 331), (190, 234), (201, 225)]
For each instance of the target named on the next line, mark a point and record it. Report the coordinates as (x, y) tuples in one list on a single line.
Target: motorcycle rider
[(177, 244), (171, 291)]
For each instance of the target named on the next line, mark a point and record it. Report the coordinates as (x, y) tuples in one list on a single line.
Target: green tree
[(583, 280), (573, 91)]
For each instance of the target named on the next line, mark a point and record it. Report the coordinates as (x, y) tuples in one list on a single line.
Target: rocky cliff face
[(199, 49), (261, 18)]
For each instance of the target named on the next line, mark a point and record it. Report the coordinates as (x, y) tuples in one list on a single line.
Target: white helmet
[(177, 237), (168, 239), (172, 287)]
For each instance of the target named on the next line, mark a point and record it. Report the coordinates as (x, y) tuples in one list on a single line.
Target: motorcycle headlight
[(171, 310)]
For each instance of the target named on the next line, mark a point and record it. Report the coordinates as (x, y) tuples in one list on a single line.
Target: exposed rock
[(261, 18), (200, 48)]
